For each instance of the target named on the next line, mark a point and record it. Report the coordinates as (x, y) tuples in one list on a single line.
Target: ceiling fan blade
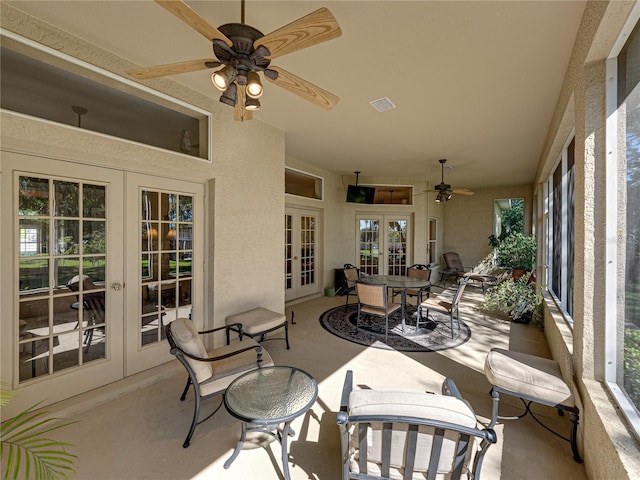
[(463, 191), (239, 112), (185, 13), (173, 68), (304, 89), (317, 27)]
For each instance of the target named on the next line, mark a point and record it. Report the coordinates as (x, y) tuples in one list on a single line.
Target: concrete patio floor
[(134, 429)]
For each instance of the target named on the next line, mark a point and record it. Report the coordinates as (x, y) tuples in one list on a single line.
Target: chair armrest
[(450, 388), (344, 402), (257, 348), (212, 330)]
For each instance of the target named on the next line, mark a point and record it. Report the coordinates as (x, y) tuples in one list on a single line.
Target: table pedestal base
[(279, 434)]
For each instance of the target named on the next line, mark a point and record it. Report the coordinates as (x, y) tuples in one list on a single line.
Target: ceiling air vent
[(382, 104)]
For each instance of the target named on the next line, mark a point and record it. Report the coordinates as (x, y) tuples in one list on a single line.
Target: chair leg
[(194, 422), (573, 437), (286, 334), (386, 328), (358, 318), (346, 303), (451, 317), (186, 389)]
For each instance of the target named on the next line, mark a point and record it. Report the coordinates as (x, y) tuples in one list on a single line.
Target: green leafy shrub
[(517, 251), (517, 298)]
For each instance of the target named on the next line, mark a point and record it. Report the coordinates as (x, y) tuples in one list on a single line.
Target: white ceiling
[(474, 82)]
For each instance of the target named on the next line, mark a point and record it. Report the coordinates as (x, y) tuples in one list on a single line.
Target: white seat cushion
[(528, 375), (413, 404), (257, 320)]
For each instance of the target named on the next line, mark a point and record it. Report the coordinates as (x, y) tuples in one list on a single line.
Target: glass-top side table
[(265, 398)]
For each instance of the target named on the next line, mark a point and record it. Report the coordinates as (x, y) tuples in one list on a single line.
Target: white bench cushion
[(528, 375), (257, 320)]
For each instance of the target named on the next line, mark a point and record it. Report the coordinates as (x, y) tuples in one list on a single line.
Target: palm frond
[(28, 452)]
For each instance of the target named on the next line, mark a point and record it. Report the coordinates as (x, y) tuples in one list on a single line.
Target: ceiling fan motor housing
[(242, 56)]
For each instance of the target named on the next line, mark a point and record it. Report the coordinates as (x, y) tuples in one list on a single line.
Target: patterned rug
[(432, 336)]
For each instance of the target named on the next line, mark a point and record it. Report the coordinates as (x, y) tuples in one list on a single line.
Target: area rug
[(432, 336)]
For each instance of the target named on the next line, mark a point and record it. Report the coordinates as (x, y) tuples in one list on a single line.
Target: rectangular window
[(559, 206), (303, 184), (623, 224), (41, 82)]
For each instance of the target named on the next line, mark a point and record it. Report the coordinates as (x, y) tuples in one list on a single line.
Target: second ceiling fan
[(244, 51), (444, 189)]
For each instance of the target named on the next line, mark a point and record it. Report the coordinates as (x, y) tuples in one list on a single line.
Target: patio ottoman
[(533, 380), (257, 322)]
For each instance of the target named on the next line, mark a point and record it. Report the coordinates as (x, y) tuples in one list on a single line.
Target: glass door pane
[(62, 264), (396, 247), (167, 253), (164, 243), (386, 253), (300, 244), (369, 246)]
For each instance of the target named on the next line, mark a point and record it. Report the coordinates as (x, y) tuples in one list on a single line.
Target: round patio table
[(400, 282), (265, 398)]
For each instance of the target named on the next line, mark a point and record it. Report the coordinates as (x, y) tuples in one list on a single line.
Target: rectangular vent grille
[(383, 104)]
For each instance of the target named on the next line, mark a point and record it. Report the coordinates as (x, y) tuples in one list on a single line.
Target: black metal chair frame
[(349, 290), (181, 355), (487, 437), (237, 328), (527, 401)]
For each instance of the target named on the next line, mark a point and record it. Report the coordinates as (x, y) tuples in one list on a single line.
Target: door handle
[(116, 286)]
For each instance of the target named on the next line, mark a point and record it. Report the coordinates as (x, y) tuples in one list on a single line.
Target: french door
[(77, 309), (300, 251), (383, 244), (165, 236)]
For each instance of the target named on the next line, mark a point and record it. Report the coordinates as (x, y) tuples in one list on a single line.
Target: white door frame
[(139, 358), (69, 382), (297, 288)]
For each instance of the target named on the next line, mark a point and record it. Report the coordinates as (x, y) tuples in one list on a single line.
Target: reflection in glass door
[(167, 253), (62, 271), (164, 242)]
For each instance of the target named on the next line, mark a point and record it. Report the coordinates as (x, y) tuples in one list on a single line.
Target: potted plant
[(517, 298), (517, 252)]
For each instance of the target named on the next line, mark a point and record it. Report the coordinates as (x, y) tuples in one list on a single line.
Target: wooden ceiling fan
[(444, 189), (244, 51)]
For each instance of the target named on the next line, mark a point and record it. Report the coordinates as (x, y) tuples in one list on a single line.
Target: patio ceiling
[(475, 82)]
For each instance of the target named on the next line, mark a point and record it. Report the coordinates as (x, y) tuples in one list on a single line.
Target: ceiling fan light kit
[(244, 51)]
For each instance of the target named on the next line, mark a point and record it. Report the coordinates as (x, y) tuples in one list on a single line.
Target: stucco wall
[(610, 450)]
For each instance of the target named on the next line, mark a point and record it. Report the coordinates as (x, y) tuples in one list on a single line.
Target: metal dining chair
[(351, 275), (438, 305), (372, 299)]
